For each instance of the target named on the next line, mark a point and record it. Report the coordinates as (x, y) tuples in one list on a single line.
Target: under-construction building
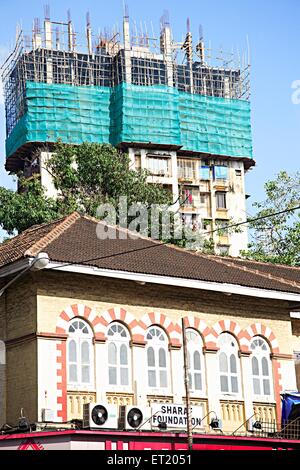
[(179, 110)]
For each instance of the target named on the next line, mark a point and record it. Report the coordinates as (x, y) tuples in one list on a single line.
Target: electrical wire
[(158, 244)]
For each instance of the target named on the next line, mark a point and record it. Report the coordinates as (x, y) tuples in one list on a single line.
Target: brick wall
[(21, 376), (61, 290)]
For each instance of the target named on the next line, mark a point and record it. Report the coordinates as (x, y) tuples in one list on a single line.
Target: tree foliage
[(277, 238), (30, 206), (91, 174), (86, 176)]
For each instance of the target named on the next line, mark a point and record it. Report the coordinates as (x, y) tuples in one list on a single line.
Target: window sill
[(159, 391), (266, 400), (232, 397), (198, 395), (118, 389), (81, 389)]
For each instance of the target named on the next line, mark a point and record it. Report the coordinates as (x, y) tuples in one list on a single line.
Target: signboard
[(175, 416)]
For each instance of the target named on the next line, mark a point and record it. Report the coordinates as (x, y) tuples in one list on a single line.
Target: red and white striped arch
[(258, 329), (172, 329), (77, 310), (119, 314), (229, 326), (198, 325)]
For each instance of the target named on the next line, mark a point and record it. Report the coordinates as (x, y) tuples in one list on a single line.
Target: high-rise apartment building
[(180, 111)]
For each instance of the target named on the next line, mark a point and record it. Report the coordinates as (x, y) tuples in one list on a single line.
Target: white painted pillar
[(139, 374), (166, 49), (131, 155), (213, 383), (143, 159), (101, 371), (246, 377), (47, 377), (177, 374)]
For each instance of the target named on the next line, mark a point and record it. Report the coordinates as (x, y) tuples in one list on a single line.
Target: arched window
[(157, 358), (118, 355), (80, 354), (195, 361), (229, 367), (261, 368)]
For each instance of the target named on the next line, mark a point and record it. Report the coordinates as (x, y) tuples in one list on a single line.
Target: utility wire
[(158, 244), (253, 219)]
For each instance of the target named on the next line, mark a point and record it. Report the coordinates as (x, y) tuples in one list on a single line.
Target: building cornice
[(178, 282)]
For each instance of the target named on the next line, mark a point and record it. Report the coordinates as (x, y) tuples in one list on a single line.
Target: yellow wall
[(21, 375), (55, 294), (34, 305)]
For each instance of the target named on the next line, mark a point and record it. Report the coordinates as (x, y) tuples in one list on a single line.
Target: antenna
[(47, 12), (69, 15)]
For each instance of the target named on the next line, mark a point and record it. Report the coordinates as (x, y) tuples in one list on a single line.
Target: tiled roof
[(74, 240)]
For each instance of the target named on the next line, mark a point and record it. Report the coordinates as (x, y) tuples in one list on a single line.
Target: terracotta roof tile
[(74, 240), (31, 241)]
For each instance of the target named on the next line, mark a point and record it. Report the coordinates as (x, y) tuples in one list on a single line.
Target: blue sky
[(273, 30)]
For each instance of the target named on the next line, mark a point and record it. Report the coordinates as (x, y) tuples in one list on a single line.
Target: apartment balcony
[(160, 178), (223, 240), (186, 178), (221, 184), (221, 213), (186, 171)]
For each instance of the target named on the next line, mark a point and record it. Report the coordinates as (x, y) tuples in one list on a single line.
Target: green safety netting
[(130, 113)]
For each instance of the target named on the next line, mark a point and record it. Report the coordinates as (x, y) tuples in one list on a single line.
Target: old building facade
[(75, 333)]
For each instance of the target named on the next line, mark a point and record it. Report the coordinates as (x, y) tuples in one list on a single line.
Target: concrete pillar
[(174, 176), (213, 208), (48, 34), (127, 49), (36, 40), (89, 39), (166, 49), (70, 36)]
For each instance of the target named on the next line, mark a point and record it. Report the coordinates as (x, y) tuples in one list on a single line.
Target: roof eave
[(225, 288)]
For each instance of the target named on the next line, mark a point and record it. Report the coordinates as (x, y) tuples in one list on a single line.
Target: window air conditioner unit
[(132, 418), (99, 415)]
